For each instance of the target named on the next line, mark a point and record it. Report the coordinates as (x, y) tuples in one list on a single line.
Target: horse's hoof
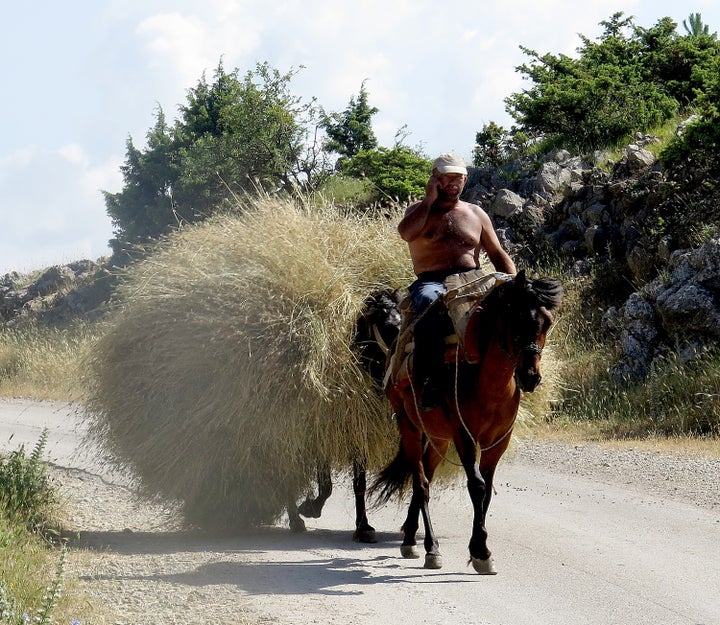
[(433, 561), (365, 536), (309, 510), (484, 567), (297, 525), (409, 551)]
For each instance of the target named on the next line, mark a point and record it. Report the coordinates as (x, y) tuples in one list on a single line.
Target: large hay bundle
[(229, 371)]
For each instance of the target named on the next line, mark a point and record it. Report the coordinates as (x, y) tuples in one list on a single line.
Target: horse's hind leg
[(312, 508), (364, 532)]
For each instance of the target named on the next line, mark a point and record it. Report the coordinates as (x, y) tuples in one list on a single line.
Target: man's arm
[(413, 223), (489, 240)]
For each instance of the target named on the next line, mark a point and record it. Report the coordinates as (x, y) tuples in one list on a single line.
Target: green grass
[(346, 191), (32, 569)]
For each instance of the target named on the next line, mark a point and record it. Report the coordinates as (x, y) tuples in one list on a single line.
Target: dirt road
[(580, 534)]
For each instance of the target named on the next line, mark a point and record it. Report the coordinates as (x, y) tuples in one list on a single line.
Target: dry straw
[(228, 371)]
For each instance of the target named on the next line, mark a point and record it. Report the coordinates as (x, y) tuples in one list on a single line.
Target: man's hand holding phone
[(431, 189)]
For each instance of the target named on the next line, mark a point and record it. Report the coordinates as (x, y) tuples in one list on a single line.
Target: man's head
[(451, 174), (449, 164)]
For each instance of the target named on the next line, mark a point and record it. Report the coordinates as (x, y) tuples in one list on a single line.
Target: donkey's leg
[(295, 522), (364, 532), (480, 555), (312, 508)]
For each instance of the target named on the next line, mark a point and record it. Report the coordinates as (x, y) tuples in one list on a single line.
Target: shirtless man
[(445, 236)]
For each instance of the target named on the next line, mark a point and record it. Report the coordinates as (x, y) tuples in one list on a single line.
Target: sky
[(83, 76)]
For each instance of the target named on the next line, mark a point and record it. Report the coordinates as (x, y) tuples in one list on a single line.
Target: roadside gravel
[(134, 558)]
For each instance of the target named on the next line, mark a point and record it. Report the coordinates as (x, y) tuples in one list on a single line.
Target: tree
[(628, 80), (696, 27), (239, 133), (145, 209), (396, 174), (233, 134), (351, 131)]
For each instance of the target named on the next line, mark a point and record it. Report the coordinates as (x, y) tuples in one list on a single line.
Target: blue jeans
[(422, 293), (431, 328)]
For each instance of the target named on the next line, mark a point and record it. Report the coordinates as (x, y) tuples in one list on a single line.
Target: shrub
[(27, 494)]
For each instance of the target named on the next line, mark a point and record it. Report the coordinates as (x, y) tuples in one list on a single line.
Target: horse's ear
[(520, 279)]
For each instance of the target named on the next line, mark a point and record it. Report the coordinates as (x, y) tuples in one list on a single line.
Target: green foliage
[(699, 141), (396, 174), (628, 80), (696, 28), (145, 208), (27, 494), (351, 131), (494, 145), (233, 135), (346, 191), (237, 133)]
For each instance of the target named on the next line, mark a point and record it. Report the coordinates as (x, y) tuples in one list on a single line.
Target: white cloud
[(191, 44), (52, 206)]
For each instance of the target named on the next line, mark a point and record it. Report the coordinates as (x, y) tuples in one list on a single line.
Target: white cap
[(450, 164)]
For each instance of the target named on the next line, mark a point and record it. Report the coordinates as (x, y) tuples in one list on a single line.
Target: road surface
[(576, 542)]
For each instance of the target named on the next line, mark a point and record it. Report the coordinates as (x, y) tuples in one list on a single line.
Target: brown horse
[(499, 357)]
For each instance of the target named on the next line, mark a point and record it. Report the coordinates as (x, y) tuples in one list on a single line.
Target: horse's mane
[(548, 291)]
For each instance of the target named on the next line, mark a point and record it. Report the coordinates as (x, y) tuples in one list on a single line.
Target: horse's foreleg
[(364, 532), (478, 489), (433, 559), (420, 504), (312, 508)]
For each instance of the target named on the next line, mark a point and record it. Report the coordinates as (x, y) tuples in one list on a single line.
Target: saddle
[(463, 295)]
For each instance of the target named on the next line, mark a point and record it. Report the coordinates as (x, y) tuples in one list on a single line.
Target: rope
[(418, 412)]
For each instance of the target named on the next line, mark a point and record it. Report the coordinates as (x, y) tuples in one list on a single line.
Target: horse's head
[(524, 309), (530, 313), (376, 329)]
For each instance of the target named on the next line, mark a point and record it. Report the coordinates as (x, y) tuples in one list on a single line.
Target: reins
[(418, 412), (379, 339)]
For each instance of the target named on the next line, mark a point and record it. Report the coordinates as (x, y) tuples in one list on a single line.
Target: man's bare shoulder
[(412, 207), (473, 208)]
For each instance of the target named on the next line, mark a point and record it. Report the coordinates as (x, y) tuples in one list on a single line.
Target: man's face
[(450, 185)]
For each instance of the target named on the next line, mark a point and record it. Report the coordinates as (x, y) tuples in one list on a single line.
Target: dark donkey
[(376, 329), (499, 356)]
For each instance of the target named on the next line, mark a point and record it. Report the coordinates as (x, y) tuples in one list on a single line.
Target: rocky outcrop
[(60, 293), (678, 312), (572, 206), (590, 215)]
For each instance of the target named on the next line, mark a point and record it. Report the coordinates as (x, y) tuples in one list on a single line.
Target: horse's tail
[(392, 480)]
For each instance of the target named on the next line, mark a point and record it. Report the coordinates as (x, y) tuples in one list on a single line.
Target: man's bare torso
[(450, 239)]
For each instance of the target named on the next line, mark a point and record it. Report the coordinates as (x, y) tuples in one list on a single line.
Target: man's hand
[(431, 190)]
